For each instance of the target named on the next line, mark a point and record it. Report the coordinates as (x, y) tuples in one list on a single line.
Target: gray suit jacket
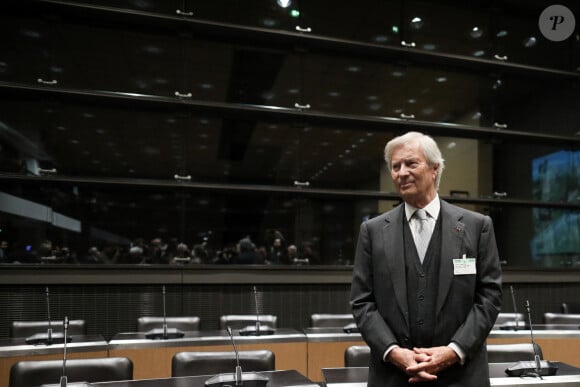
[(466, 305)]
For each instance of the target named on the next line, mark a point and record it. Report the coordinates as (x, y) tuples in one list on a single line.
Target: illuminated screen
[(556, 178)]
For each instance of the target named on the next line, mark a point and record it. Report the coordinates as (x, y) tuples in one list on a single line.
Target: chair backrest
[(357, 356), (562, 319), (571, 307), (209, 363), (506, 353), (509, 317), (239, 321), (29, 328), (319, 320), (36, 372), (185, 324)]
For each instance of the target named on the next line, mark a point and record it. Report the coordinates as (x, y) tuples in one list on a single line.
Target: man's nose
[(403, 170)]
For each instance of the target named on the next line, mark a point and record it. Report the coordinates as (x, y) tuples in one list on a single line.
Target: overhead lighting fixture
[(417, 23), (284, 3), (530, 42), (476, 32)]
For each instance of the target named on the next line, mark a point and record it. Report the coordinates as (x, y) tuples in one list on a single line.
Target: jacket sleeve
[(374, 330)]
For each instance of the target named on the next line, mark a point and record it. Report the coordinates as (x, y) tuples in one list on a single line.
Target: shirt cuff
[(457, 349), (389, 351)]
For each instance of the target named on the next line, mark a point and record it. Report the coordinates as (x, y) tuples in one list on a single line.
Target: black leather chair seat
[(239, 321), (210, 363), (29, 328), (319, 320), (357, 356), (37, 372), (506, 353), (184, 324)]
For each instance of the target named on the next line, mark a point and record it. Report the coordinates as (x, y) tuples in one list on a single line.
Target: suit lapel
[(395, 258), (452, 233)]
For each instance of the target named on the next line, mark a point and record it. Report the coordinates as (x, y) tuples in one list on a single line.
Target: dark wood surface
[(277, 379)]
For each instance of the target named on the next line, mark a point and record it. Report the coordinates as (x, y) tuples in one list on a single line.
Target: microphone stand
[(257, 312), (238, 374), (239, 378), (516, 318), (538, 370), (164, 316), (256, 330), (164, 333), (49, 331), (63, 378)]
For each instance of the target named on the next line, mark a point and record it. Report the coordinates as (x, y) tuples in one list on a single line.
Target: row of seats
[(34, 373), (192, 323), (144, 324), (38, 372)]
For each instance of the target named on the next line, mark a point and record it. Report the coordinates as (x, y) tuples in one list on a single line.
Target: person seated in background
[(246, 252), (4, 252), (156, 251), (277, 252), (94, 256), (182, 255), (292, 253)]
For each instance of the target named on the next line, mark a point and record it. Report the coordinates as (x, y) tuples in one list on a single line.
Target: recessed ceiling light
[(476, 32)]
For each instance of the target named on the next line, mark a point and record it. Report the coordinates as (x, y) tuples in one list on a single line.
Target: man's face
[(414, 178)]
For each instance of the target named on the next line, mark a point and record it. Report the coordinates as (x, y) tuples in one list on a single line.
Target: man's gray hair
[(427, 144)]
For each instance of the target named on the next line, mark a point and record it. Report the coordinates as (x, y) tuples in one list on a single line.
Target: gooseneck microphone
[(536, 368), (49, 330), (238, 374), (257, 311), (48, 337), (238, 378), (257, 330), (63, 378), (164, 316), (536, 355), (164, 332), (516, 318)]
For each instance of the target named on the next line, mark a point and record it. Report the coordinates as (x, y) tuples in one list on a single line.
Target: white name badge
[(464, 266)]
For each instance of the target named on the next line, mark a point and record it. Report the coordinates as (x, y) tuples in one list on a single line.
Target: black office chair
[(37, 372), (210, 363), (508, 320), (357, 356), (239, 321), (570, 307), (184, 324), (556, 320), (29, 328), (322, 320), (509, 353)]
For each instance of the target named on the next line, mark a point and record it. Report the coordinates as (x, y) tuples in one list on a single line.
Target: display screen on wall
[(556, 178)]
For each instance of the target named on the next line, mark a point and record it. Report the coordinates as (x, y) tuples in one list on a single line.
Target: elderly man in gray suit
[(426, 286)]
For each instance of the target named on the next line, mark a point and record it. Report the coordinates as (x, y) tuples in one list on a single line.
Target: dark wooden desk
[(326, 348), (567, 376), (277, 379), (152, 358), (16, 349)]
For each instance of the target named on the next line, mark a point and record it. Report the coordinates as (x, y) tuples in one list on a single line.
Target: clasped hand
[(422, 364)]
